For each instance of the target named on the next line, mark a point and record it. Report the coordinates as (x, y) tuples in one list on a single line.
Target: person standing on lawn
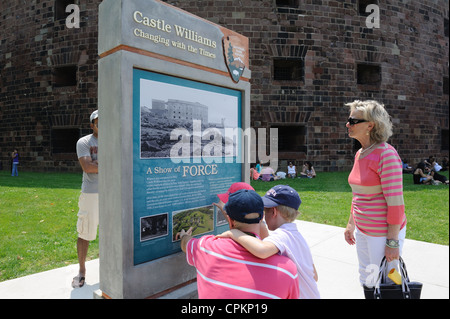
[(378, 209), (15, 163), (88, 216)]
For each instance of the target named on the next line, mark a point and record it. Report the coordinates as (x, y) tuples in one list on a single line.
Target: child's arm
[(254, 245), (263, 230)]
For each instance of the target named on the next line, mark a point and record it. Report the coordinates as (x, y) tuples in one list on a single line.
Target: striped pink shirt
[(377, 184), (226, 270)]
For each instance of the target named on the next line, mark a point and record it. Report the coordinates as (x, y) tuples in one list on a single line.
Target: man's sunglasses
[(353, 121)]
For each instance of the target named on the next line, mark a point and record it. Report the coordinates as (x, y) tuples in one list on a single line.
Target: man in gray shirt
[(87, 150)]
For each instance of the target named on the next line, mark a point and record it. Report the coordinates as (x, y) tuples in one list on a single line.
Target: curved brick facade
[(308, 58)]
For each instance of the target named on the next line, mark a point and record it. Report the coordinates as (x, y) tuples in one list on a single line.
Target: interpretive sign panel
[(174, 109), (186, 150)]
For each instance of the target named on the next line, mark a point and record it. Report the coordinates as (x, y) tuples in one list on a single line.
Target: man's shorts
[(87, 216)]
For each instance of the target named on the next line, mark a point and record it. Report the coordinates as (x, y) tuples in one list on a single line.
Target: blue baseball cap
[(242, 203), (282, 195)]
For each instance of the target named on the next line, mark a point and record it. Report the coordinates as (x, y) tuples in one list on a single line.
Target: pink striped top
[(226, 270), (377, 185)]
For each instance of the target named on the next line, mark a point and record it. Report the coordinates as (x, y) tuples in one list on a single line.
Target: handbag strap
[(405, 279), (381, 271), (381, 274), (382, 277), (402, 266)]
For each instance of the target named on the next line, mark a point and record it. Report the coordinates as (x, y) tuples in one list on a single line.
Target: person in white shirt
[(281, 205), (88, 214), (292, 172)]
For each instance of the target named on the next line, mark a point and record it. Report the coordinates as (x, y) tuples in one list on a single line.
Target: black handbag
[(383, 290)]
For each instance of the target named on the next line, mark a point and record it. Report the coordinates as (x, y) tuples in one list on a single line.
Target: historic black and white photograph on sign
[(153, 226), (196, 118)]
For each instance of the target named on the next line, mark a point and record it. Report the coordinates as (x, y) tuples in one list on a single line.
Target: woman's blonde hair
[(375, 112)]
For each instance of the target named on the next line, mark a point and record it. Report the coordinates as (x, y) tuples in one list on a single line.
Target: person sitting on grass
[(292, 171), (422, 175), (281, 205), (268, 174), (254, 175), (308, 171)]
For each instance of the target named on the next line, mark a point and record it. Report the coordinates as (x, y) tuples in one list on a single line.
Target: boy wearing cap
[(226, 270), (281, 205), (87, 149)]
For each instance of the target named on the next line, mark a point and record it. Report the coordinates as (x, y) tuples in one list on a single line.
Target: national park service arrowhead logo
[(235, 51)]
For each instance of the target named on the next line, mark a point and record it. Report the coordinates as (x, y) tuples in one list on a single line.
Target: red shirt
[(226, 270)]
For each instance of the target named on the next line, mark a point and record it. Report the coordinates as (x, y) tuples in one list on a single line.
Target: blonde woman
[(378, 209)]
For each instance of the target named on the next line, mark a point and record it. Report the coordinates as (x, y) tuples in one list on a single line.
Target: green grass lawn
[(38, 215)]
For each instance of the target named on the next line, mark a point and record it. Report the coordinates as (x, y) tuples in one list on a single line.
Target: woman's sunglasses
[(353, 121)]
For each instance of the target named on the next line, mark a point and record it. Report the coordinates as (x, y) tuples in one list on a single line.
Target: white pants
[(370, 252)]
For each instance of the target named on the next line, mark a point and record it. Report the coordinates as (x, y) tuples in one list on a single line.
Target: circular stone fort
[(307, 59)]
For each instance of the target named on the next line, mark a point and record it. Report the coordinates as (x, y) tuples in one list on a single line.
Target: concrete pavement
[(336, 263), (52, 284)]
